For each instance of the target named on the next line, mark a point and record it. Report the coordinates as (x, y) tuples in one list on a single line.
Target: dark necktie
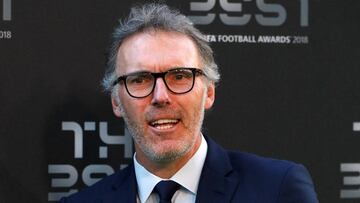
[(166, 189)]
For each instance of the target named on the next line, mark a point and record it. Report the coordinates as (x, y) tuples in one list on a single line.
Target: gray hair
[(157, 16)]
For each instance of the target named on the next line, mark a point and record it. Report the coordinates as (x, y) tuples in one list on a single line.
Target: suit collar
[(218, 180)]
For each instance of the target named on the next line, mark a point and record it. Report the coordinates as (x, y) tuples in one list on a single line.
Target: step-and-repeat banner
[(290, 89)]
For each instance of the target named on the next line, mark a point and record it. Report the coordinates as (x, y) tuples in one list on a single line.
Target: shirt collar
[(188, 176)]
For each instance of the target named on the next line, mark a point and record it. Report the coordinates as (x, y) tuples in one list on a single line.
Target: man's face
[(165, 126)]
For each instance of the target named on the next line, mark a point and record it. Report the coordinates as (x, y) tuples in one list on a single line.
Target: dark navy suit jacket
[(226, 177)]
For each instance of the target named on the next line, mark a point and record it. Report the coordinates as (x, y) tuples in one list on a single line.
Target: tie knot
[(166, 189)]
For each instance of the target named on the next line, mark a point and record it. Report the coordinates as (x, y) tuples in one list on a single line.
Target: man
[(162, 77)]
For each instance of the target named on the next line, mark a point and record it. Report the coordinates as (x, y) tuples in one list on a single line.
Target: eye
[(139, 79), (178, 75)]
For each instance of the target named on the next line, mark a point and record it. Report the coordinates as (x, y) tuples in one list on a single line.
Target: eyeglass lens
[(177, 81)]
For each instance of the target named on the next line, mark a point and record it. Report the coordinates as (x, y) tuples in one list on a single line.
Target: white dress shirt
[(188, 177)]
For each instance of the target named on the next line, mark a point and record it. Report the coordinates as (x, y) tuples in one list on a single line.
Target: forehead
[(156, 51)]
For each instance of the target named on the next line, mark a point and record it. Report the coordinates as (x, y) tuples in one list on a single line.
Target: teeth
[(163, 124), (164, 121), (163, 127)]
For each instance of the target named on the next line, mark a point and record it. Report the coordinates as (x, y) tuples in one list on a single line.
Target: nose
[(161, 93)]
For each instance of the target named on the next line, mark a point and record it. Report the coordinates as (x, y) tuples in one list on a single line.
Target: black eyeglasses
[(142, 84)]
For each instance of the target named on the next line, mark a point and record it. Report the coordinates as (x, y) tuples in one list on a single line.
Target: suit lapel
[(218, 180), (124, 189)]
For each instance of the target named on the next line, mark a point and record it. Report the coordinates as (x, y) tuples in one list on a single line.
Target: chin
[(166, 151)]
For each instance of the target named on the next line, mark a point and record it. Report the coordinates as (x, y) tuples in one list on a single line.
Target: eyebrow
[(143, 71), (135, 73)]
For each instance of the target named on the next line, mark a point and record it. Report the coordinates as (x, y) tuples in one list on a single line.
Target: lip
[(158, 131), (164, 120)]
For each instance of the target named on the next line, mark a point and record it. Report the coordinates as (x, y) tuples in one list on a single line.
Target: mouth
[(164, 124)]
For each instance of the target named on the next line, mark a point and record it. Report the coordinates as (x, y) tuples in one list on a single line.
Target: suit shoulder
[(99, 189), (258, 164), (285, 180), (258, 169)]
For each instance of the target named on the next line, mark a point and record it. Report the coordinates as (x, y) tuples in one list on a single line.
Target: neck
[(166, 169)]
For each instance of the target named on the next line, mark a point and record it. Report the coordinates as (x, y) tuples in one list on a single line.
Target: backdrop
[(289, 90)]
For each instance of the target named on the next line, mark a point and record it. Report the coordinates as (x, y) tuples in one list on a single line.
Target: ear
[(210, 97), (116, 107)]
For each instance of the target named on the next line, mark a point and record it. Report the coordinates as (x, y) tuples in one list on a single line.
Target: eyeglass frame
[(195, 72)]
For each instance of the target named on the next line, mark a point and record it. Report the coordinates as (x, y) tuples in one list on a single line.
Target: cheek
[(134, 108), (193, 104)]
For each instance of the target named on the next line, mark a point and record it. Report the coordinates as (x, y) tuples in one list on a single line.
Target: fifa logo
[(6, 12), (65, 176), (271, 14), (351, 176)]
